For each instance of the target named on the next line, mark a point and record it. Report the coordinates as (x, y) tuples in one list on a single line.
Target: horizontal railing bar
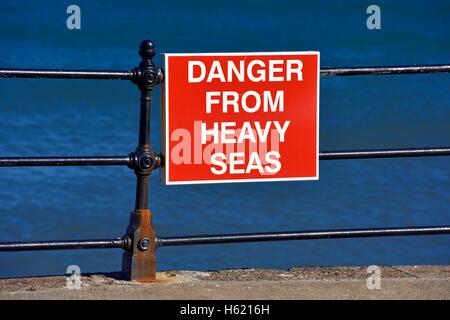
[(66, 74), (65, 161), (123, 243), (128, 75), (384, 70), (63, 245), (384, 153), (301, 235), (126, 160)]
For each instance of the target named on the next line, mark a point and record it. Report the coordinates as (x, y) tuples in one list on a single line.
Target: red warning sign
[(240, 117)]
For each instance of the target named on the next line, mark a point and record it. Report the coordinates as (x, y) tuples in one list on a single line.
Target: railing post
[(139, 261)]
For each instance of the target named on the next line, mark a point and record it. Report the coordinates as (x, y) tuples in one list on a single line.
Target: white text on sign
[(249, 101)]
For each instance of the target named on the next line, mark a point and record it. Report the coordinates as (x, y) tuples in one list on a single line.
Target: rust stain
[(157, 280), (138, 265)]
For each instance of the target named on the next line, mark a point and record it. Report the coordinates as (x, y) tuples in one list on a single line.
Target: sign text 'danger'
[(241, 117)]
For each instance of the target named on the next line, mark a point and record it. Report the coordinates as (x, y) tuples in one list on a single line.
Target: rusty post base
[(139, 262)]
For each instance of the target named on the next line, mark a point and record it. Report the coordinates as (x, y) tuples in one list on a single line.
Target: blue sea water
[(73, 117)]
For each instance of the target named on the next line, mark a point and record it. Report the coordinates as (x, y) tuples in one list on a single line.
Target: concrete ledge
[(403, 282)]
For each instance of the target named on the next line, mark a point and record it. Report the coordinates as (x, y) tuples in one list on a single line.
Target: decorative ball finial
[(147, 49)]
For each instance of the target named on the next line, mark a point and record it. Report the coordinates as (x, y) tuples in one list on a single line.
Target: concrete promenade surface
[(402, 282)]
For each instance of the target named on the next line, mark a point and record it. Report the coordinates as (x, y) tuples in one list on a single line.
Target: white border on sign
[(165, 116)]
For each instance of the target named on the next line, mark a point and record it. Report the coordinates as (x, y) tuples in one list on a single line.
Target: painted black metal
[(301, 235), (228, 238), (134, 75), (67, 74), (138, 260), (153, 161), (388, 70), (384, 153), (66, 161), (147, 76), (119, 243)]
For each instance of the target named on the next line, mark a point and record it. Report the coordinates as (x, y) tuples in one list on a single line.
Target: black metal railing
[(140, 241)]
